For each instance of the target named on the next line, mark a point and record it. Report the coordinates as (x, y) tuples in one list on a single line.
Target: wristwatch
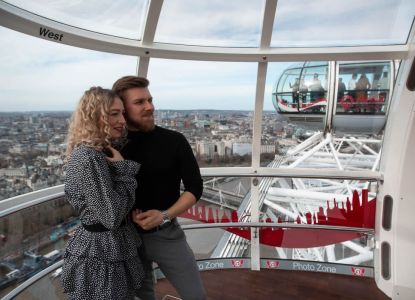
[(166, 218)]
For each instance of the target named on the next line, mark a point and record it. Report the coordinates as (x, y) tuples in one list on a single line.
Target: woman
[(362, 86), (101, 260)]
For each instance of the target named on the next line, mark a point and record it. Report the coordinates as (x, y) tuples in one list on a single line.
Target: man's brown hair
[(129, 82)]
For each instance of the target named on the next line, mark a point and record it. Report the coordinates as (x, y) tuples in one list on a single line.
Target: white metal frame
[(26, 22), (29, 23)]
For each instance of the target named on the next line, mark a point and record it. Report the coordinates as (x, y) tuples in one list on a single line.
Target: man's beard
[(141, 126)]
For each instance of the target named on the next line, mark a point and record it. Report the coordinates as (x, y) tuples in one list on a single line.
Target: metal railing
[(32, 280)]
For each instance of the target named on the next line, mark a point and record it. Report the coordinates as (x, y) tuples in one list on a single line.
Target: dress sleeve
[(108, 188), (189, 169)]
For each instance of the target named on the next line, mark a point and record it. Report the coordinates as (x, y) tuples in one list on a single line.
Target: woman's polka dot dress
[(101, 265)]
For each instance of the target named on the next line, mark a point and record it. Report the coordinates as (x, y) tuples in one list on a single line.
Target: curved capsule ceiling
[(260, 30), (118, 18)]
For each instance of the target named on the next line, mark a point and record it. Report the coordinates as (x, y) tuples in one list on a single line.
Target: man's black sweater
[(166, 158)]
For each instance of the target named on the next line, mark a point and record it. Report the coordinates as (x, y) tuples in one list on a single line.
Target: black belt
[(157, 228), (98, 227)]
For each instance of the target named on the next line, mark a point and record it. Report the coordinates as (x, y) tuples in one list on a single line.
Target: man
[(166, 159), (295, 90), (316, 88), (341, 88)]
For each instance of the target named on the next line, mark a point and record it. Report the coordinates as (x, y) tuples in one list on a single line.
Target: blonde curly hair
[(89, 122)]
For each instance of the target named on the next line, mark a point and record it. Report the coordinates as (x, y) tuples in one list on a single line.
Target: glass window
[(287, 89), (322, 202), (286, 200), (364, 87), (123, 18), (322, 23), (33, 239), (52, 77), (301, 89), (41, 86), (211, 103), (288, 122), (229, 23), (297, 124), (364, 91), (313, 88)]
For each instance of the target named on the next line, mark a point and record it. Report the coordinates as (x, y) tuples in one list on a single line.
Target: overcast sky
[(36, 74)]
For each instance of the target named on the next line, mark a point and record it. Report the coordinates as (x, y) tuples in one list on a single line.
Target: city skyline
[(33, 148)]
